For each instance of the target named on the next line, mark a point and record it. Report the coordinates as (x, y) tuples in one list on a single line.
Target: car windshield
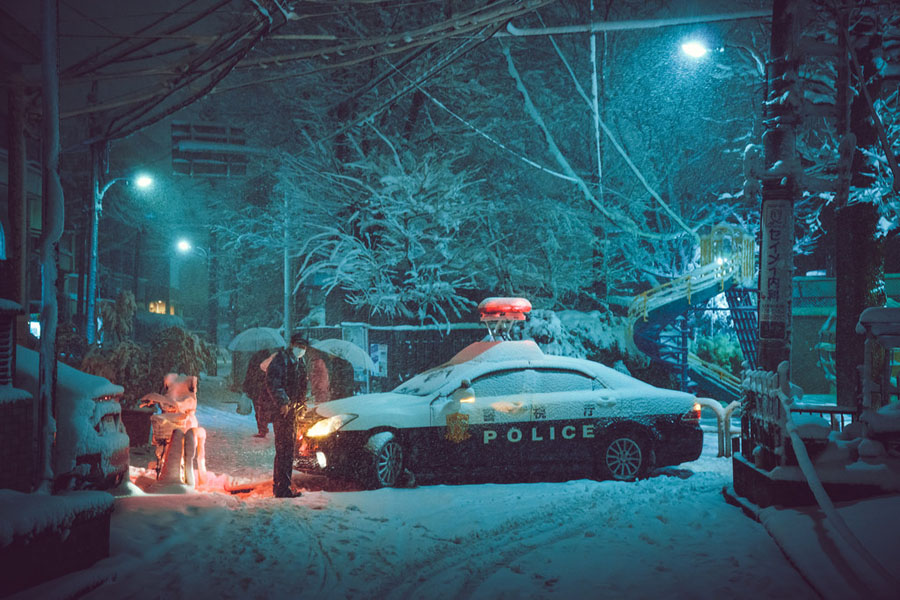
[(426, 383)]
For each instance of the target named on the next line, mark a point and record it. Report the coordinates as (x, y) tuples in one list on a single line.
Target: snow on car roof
[(479, 353), (69, 381), (497, 351), (476, 353)]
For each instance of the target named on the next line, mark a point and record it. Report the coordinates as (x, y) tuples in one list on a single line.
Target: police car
[(503, 409)]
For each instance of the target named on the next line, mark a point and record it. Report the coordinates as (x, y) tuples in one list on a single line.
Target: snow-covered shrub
[(140, 369), (118, 317), (595, 335), (71, 346), (721, 349), (176, 350), (126, 364)]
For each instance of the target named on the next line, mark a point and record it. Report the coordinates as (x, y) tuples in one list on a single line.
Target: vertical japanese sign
[(776, 262)]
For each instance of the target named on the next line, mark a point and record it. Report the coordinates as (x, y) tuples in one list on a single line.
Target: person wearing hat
[(286, 385)]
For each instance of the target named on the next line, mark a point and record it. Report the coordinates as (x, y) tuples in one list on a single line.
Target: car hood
[(382, 402)]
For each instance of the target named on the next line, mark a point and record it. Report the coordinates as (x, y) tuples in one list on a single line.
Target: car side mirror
[(464, 394)]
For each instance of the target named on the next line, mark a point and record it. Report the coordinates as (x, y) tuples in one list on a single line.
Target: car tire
[(625, 456), (385, 461)]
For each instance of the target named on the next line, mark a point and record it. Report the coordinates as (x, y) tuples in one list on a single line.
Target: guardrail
[(723, 422), (838, 416), (714, 371), (681, 287)]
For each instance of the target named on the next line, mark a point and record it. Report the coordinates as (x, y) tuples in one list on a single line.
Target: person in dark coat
[(286, 385), (255, 387)]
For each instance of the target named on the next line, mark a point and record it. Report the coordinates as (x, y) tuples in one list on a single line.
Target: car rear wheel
[(385, 464), (625, 457)]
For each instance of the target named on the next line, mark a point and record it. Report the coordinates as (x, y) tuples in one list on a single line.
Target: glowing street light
[(695, 49), (142, 181), (184, 246)]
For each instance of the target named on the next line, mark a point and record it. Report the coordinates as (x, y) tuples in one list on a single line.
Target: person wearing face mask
[(286, 386)]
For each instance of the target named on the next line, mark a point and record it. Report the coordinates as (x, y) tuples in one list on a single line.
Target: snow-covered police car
[(501, 409)]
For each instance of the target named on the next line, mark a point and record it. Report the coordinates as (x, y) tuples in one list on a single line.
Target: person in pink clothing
[(319, 381)]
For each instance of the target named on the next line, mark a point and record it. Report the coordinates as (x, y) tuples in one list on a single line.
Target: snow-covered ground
[(670, 536)]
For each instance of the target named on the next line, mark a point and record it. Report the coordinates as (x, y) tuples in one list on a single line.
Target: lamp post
[(141, 181), (694, 49), (184, 246)]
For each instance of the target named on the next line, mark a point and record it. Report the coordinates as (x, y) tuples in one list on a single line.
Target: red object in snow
[(504, 309)]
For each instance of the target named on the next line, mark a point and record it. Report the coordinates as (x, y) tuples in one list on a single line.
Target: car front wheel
[(385, 460), (625, 458)]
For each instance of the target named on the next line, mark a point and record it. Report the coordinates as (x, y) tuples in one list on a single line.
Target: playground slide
[(654, 310)]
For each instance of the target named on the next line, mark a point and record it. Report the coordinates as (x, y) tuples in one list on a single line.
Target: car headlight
[(328, 426)]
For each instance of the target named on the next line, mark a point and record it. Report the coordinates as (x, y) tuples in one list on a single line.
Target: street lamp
[(695, 49), (184, 246), (142, 181)]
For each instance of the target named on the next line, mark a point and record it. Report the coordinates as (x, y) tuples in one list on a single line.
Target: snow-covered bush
[(140, 369), (176, 350), (722, 350), (126, 364), (118, 317), (593, 335), (596, 335)]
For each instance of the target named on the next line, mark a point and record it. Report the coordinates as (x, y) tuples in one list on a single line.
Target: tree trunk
[(859, 284), (859, 264)]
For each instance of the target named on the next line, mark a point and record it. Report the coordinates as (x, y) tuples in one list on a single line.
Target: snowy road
[(666, 537)]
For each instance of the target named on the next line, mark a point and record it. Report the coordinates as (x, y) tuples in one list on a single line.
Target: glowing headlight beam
[(326, 427)]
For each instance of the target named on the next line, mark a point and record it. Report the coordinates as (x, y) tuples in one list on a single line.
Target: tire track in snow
[(509, 538), (610, 512)]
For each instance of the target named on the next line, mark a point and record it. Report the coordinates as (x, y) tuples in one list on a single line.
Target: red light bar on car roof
[(504, 309)]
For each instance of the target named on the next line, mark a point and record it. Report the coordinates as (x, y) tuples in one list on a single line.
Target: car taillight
[(693, 414)]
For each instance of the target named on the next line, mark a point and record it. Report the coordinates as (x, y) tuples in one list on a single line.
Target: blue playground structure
[(658, 317)]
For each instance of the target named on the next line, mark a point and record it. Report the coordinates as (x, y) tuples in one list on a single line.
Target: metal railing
[(837, 416)]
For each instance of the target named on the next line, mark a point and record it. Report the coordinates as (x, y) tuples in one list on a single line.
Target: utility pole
[(51, 232), (98, 154), (212, 265), (287, 269), (779, 191)]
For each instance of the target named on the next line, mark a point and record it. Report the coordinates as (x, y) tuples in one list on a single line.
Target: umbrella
[(349, 351), (256, 338)]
